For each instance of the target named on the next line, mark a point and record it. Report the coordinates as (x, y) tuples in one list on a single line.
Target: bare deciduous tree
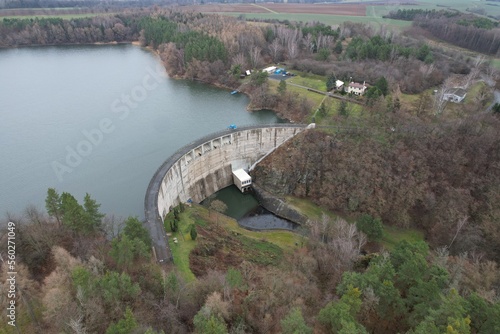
[(255, 56), (275, 49)]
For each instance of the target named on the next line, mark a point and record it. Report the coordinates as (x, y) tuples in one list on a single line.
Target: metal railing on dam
[(203, 167)]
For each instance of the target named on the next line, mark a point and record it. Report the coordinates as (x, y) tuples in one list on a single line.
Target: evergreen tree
[(330, 82), (322, 110), (174, 225), (372, 227), (192, 232), (338, 48), (125, 250), (53, 205), (93, 216), (496, 108), (340, 315), (134, 229), (282, 87), (127, 325), (323, 54), (382, 85), (74, 215), (258, 78), (294, 323), (343, 109), (207, 323)]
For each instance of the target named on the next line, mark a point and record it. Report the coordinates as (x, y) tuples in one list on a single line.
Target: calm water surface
[(246, 210), (98, 119)]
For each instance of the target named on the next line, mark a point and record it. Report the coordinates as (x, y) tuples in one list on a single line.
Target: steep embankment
[(431, 178)]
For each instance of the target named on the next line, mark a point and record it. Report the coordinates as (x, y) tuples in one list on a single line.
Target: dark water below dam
[(246, 210)]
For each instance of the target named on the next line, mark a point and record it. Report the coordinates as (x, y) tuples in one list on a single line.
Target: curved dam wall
[(205, 166)]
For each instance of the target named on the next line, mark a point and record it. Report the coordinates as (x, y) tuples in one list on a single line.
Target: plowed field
[(278, 8)]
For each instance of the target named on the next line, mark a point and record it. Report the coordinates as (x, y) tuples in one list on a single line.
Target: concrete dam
[(202, 168)]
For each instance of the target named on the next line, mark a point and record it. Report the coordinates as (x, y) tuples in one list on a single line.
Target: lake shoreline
[(249, 106)]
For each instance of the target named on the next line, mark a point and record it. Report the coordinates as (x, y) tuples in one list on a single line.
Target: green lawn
[(312, 96), (461, 5), (286, 240), (308, 208), (324, 18), (199, 215), (394, 235), (310, 80), (355, 111), (496, 63), (184, 246)]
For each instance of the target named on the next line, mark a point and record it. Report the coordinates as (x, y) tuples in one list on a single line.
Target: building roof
[(460, 92), (357, 85), (270, 68), (241, 175), (339, 83)]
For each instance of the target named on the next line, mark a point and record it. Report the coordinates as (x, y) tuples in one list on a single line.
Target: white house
[(339, 84), (456, 95), (356, 88)]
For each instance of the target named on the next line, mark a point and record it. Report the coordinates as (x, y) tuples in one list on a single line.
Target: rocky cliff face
[(427, 179)]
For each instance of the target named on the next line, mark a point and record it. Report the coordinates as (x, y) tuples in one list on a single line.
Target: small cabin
[(456, 95), (242, 180)]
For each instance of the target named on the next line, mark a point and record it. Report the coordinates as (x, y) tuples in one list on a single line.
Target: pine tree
[(193, 232), (53, 205), (93, 216), (282, 87), (330, 82), (343, 109), (74, 215)]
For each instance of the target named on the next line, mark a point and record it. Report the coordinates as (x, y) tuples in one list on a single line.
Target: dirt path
[(272, 11)]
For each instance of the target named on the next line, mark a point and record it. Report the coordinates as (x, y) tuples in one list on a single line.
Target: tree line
[(54, 31), (471, 33), (410, 14)]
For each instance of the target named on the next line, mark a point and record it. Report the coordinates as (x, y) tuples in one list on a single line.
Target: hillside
[(427, 176)]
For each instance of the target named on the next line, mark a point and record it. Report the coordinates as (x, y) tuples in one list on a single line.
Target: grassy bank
[(266, 247)]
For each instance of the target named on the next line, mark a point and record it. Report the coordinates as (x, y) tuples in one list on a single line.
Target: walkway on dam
[(154, 223)]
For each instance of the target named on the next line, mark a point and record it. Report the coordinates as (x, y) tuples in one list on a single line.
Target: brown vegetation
[(426, 177)]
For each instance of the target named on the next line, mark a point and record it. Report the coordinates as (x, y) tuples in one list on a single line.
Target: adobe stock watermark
[(122, 108)]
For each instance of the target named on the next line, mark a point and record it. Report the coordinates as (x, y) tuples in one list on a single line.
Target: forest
[(389, 159), (80, 271)]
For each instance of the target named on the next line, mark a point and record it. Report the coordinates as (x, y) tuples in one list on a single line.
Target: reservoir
[(99, 120)]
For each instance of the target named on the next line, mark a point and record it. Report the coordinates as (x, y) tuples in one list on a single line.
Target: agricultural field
[(64, 13), (278, 8), (61, 16), (332, 14)]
